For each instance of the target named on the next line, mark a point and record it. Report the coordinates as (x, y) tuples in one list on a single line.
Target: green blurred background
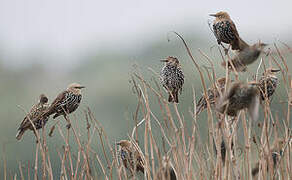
[(45, 47)]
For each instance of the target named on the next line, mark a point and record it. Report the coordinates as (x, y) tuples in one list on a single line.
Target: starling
[(240, 96), (213, 94), (225, 31), (130, 156), (167, 171), (268, 83), (275, 153), (245, 57), (35, 116), (172, 78), (66, 102)]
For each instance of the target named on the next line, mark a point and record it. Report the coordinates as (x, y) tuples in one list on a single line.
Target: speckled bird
[(238, 97), (35, 116), (172, 78), (213, 95), (66, 102), (268, 83), (225, 31), (130, 156), (245, 57), (276, 151)]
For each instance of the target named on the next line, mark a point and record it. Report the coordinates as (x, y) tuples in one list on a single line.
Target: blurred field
[(110, 96)]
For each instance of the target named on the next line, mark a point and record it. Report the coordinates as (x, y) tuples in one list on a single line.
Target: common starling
[(240, 96), (213, 94), (245, 57), (66, 102), (35, 116), (225, 31), (167, 172), (268, 83), (172, 78), (275, 153), (130, 156)]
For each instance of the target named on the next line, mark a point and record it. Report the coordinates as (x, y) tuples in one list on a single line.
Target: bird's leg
[(225, 49), (68, 126)]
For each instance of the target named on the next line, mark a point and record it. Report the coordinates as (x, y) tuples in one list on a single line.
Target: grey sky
[(63, 28)]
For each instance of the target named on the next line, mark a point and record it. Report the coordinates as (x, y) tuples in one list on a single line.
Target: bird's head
[(171, 61), (43, 99), (75, 88), (221, 15), (124, 143)]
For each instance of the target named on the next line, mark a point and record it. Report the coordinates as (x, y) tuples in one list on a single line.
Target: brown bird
[(167, 171), (213, 94), (34, 116), (275, 153), (245, 57), (268, 83), (172, 78), (225, 31), (130, 156), (66, 102), (238, 97)]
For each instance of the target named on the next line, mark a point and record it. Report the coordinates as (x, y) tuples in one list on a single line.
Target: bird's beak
[(118, 143), (163, 60), (275, 70), (81, 87), (214, 15)]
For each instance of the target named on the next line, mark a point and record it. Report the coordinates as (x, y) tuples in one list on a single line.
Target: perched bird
[(268, 83), (275, 152), (167, 171), (34, 116), (172, 78), (130, 156), (245, 57), (66, 102), (213, 95), (225, 31), (238, 97)]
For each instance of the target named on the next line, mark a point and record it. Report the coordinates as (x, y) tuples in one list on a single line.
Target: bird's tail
[(173, 97), (19, 134)]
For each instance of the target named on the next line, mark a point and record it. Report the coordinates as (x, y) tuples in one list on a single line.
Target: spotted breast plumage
[(225, 31), (172, 78), (268, 83)]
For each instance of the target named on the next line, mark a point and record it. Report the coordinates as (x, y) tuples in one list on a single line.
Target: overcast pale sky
[(63, 28)]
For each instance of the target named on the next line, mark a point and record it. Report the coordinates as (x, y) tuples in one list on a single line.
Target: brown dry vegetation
[(192, 156)]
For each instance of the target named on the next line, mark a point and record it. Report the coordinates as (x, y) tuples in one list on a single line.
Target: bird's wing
[(233, 29), (253, 109), (57, 102)]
